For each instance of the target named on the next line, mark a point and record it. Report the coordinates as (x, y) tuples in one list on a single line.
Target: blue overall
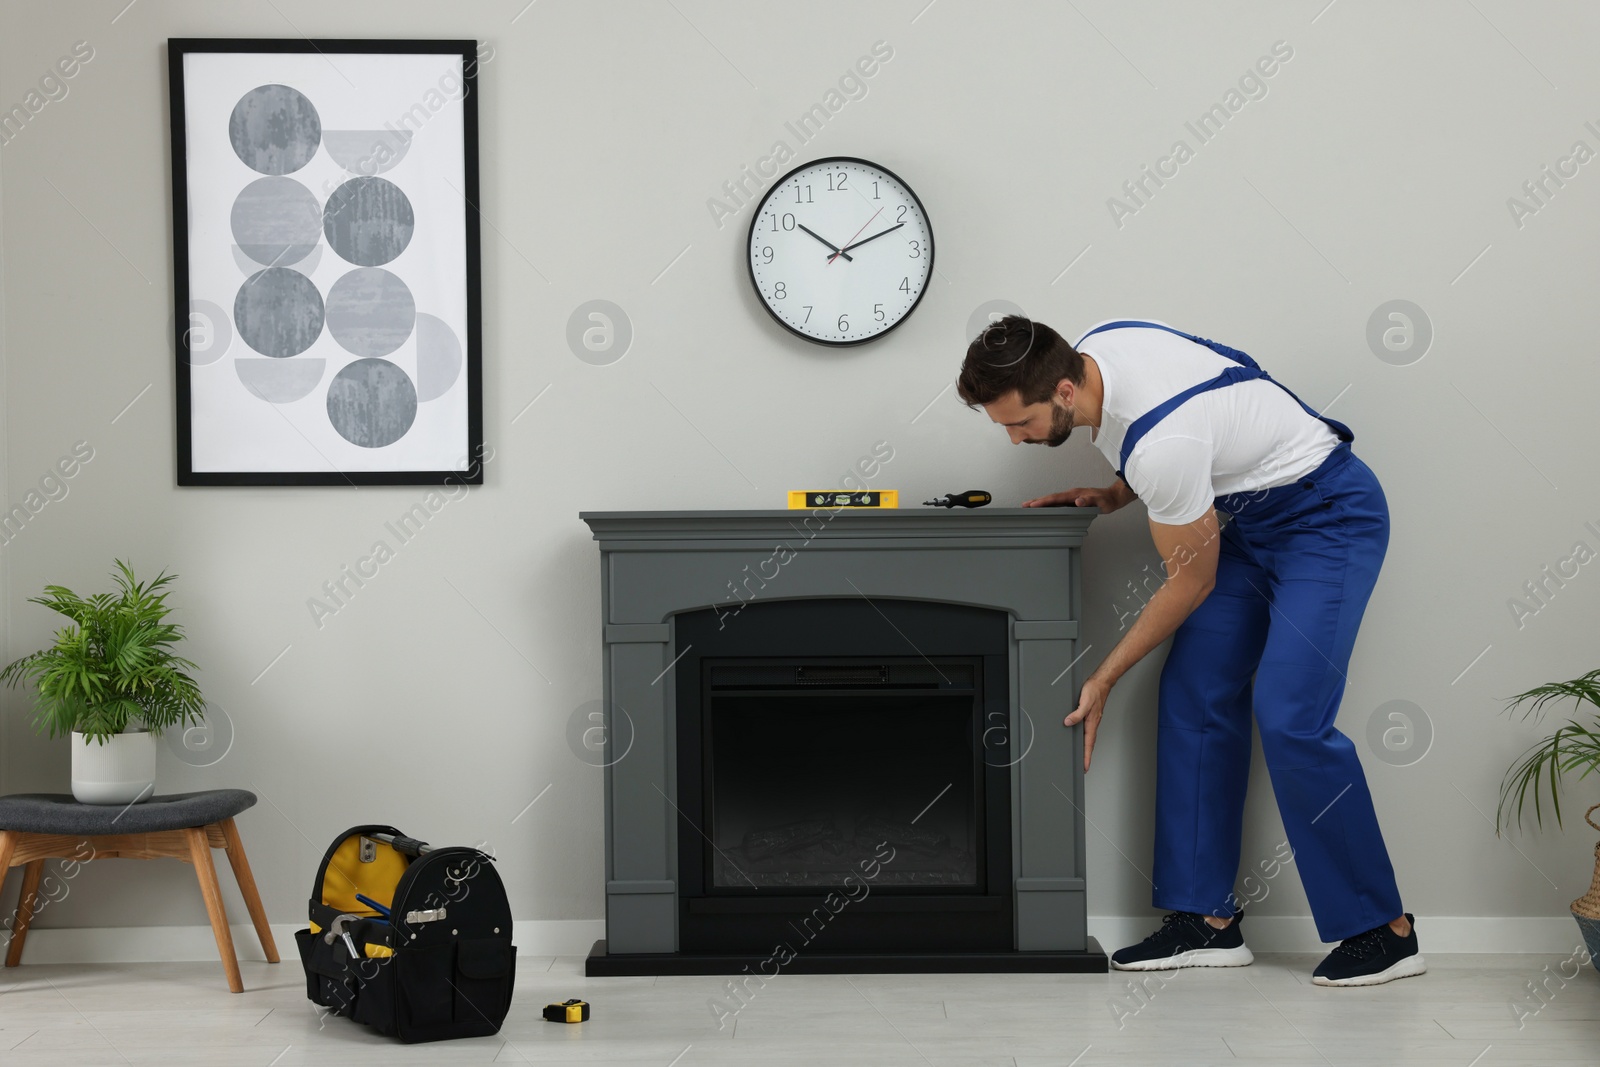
[(1297, 565)]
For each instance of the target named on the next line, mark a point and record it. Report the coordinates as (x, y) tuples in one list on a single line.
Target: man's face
[(1046, 423)]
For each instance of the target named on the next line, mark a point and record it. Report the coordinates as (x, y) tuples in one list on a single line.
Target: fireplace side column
[(1051, 903), (641, 848)]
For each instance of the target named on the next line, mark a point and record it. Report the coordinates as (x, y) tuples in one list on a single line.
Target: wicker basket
[(1586, 909), (1588, 905)]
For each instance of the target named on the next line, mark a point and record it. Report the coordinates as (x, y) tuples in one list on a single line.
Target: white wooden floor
[(1459, 1014)]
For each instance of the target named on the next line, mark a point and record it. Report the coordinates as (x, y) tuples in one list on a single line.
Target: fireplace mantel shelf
[(1063, 525)]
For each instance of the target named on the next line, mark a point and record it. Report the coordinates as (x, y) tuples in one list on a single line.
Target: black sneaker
[(1377, 956), (1186, 940)]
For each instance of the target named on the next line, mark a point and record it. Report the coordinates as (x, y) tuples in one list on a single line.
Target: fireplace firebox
[(848, 756), (834, 742)]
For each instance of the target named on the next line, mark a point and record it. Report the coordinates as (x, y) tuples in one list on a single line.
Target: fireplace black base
[(1092, 960)]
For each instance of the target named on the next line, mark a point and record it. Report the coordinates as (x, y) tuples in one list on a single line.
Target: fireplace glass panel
[(805, 787)]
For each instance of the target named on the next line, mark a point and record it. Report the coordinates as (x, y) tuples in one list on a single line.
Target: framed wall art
[(326, 262)]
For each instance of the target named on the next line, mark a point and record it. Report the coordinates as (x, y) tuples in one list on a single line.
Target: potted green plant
[(1572, 749), (113, 682)]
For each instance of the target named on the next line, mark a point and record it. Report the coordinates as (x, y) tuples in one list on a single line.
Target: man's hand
[(1109, 499), (1189, 554), (1091, 706)]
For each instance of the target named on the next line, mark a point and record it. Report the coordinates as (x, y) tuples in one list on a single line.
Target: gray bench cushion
[(59, 813)]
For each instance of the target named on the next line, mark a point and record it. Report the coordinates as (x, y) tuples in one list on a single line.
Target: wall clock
[(840, 251)]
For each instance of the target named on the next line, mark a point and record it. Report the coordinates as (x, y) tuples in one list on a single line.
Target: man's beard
[(1061, 425)]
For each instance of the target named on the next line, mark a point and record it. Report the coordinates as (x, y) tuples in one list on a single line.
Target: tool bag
[(412, 940)]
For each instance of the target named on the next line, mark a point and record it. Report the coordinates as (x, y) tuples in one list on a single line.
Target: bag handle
[(1590, 812), (410, 846)]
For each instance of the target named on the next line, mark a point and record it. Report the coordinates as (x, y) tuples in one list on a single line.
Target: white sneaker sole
[(1411, 965), (1199, 957)]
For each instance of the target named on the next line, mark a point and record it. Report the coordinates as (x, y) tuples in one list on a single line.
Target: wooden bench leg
[(8, 845), (27, 904), (200, 855), (247, 888)]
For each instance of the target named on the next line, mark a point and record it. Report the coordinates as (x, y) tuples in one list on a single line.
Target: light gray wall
[(1377, 167)]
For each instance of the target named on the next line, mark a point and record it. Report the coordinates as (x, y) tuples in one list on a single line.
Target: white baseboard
[(1555, 935), (574, 937), (187, 944)]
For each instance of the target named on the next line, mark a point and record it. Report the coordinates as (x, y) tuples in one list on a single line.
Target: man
[(1262, 613)]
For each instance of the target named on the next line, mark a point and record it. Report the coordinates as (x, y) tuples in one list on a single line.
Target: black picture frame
[(470, 470)]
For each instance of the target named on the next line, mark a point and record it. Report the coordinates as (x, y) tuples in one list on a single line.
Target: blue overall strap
[(1247, 370)]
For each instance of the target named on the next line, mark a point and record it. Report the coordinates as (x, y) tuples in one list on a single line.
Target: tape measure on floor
[(568, 1011)]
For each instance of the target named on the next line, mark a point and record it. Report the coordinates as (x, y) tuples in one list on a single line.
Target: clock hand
[(853, 236), (874, 237), (836, 249)]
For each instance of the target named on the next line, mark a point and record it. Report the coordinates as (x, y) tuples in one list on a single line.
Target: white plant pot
[(121, 771)]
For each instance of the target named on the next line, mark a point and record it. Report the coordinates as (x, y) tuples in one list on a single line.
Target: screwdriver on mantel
[(972, 498)]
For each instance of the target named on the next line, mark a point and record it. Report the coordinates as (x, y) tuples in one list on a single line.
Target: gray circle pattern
[(276, 221), (1399, 332), (372, 403), (274, 129), (438, 357), (370, 311), (599, 332), (278, 312), (368, 221)]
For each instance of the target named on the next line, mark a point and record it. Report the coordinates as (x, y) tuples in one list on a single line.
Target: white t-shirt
[(1240, 437)]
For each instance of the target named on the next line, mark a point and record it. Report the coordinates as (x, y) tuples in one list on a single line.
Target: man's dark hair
[(1019, 354)]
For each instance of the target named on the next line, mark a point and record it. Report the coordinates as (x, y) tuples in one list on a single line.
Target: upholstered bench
[(35, 827)]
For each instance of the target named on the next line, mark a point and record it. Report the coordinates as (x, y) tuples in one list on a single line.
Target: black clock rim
[(749, 244)]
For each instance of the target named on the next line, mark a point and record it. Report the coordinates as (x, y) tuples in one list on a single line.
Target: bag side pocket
[(485, 971), (424, 977), (328, 979)]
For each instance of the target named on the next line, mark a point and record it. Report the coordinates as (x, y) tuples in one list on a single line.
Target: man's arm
[(1189, 553)]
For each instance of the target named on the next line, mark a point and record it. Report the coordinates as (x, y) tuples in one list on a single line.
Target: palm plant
[(1573, 747), (113, 666)]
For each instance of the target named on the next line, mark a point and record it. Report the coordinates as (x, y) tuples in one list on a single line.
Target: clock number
[(901, 215), (877, 312), (807, 200), (779, 291), (916, 249), (905, 284), (832, 188), (844, 324), (875, 195), (808, 314), (788, 221), (766, 254)]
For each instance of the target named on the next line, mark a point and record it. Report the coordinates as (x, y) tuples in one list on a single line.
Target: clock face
[(840, 251)]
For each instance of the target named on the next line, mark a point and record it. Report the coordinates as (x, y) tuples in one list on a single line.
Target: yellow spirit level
[(843, 498)]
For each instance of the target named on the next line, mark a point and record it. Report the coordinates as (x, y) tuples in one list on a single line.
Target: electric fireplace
[(834, 760)]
